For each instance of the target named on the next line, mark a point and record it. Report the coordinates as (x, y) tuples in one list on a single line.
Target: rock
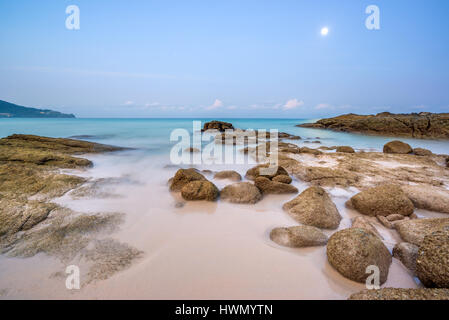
[(432, 263), (323, 176), (345, 149), (407, 254), (384, 221), (415, 230), (218, 125), (310, 150), (422, 152), (421, 125), (401, 294), (272, 187), (314, 207), (242, 192), (397, 147), (228, 174), (283, 179), (298, 237), (395, 217), (199, 190), (351, 251), (184, 176), (383, 200), (192, 150), (253, 173), (428, 198), (365, 224)]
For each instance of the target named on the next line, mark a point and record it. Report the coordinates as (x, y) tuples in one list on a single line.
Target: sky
[(225, 58)]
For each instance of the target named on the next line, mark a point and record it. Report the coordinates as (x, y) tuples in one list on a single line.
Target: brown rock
[(415, 230), (184, 176), (401, 294), (218, 125), (298, 237), (384, 221), (242, 192), (395, 217), (283, 179), (272, 187), (407, 254), (228, 174), (351, 251), (314, 207), (253, 173), (192, 150), (199, 190), (432, 263), (422, 152), (364, 223), (428, 198), (397, 147), (345, 149), (383, 200)]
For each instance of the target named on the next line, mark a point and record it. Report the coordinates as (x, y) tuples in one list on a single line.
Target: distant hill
[(10, 110)]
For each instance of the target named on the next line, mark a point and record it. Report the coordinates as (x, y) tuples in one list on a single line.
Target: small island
[(423, 125), (10, 110)]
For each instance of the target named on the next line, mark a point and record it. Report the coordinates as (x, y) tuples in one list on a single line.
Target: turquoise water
[(153, 135)]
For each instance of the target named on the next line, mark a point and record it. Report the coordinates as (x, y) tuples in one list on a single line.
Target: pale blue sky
[(225, 58)]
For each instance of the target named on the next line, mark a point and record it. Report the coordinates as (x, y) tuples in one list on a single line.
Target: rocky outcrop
[(268, 186), (414, 231), (345, 149), (397, 147), (242, 192), (218, 125), (432, 263), (184, 176), (351, 251), (228, 174), (428, 198), (383, 200), (365, 224), (416, 125), (326, 177), (401, 294), (199, 190), (422, 152), (314, 207), (407, 254), (298, 237)]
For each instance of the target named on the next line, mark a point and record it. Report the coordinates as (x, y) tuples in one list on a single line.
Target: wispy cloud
[(292, 104), (216, 105)]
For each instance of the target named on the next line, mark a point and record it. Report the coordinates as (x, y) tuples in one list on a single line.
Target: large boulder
[(351, 251), (255, 172), (200, 190), (218, 125), (397, 147), (364, 223), (383, 200), (298, 237), (428, 198), (272, 187), (314, 207), (415, 230), (407, 254), (432, 264), (401, 294), (228, 174), (184, 176), (345, 149), (242, 192)]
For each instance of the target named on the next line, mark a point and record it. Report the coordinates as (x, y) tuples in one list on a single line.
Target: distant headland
[(10, 110)]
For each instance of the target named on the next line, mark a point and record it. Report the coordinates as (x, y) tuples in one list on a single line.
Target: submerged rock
[(407, 254), (397, 147), (218, 125), (272, 187), (383, 200), (314, 207), (199, 190), (298, 237), (228, 174), (415, 230), (401, 294), (242, 192), (432, 263), (184, 176), (351, 251)]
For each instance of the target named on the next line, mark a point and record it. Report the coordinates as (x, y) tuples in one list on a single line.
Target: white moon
[(324, 31)]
